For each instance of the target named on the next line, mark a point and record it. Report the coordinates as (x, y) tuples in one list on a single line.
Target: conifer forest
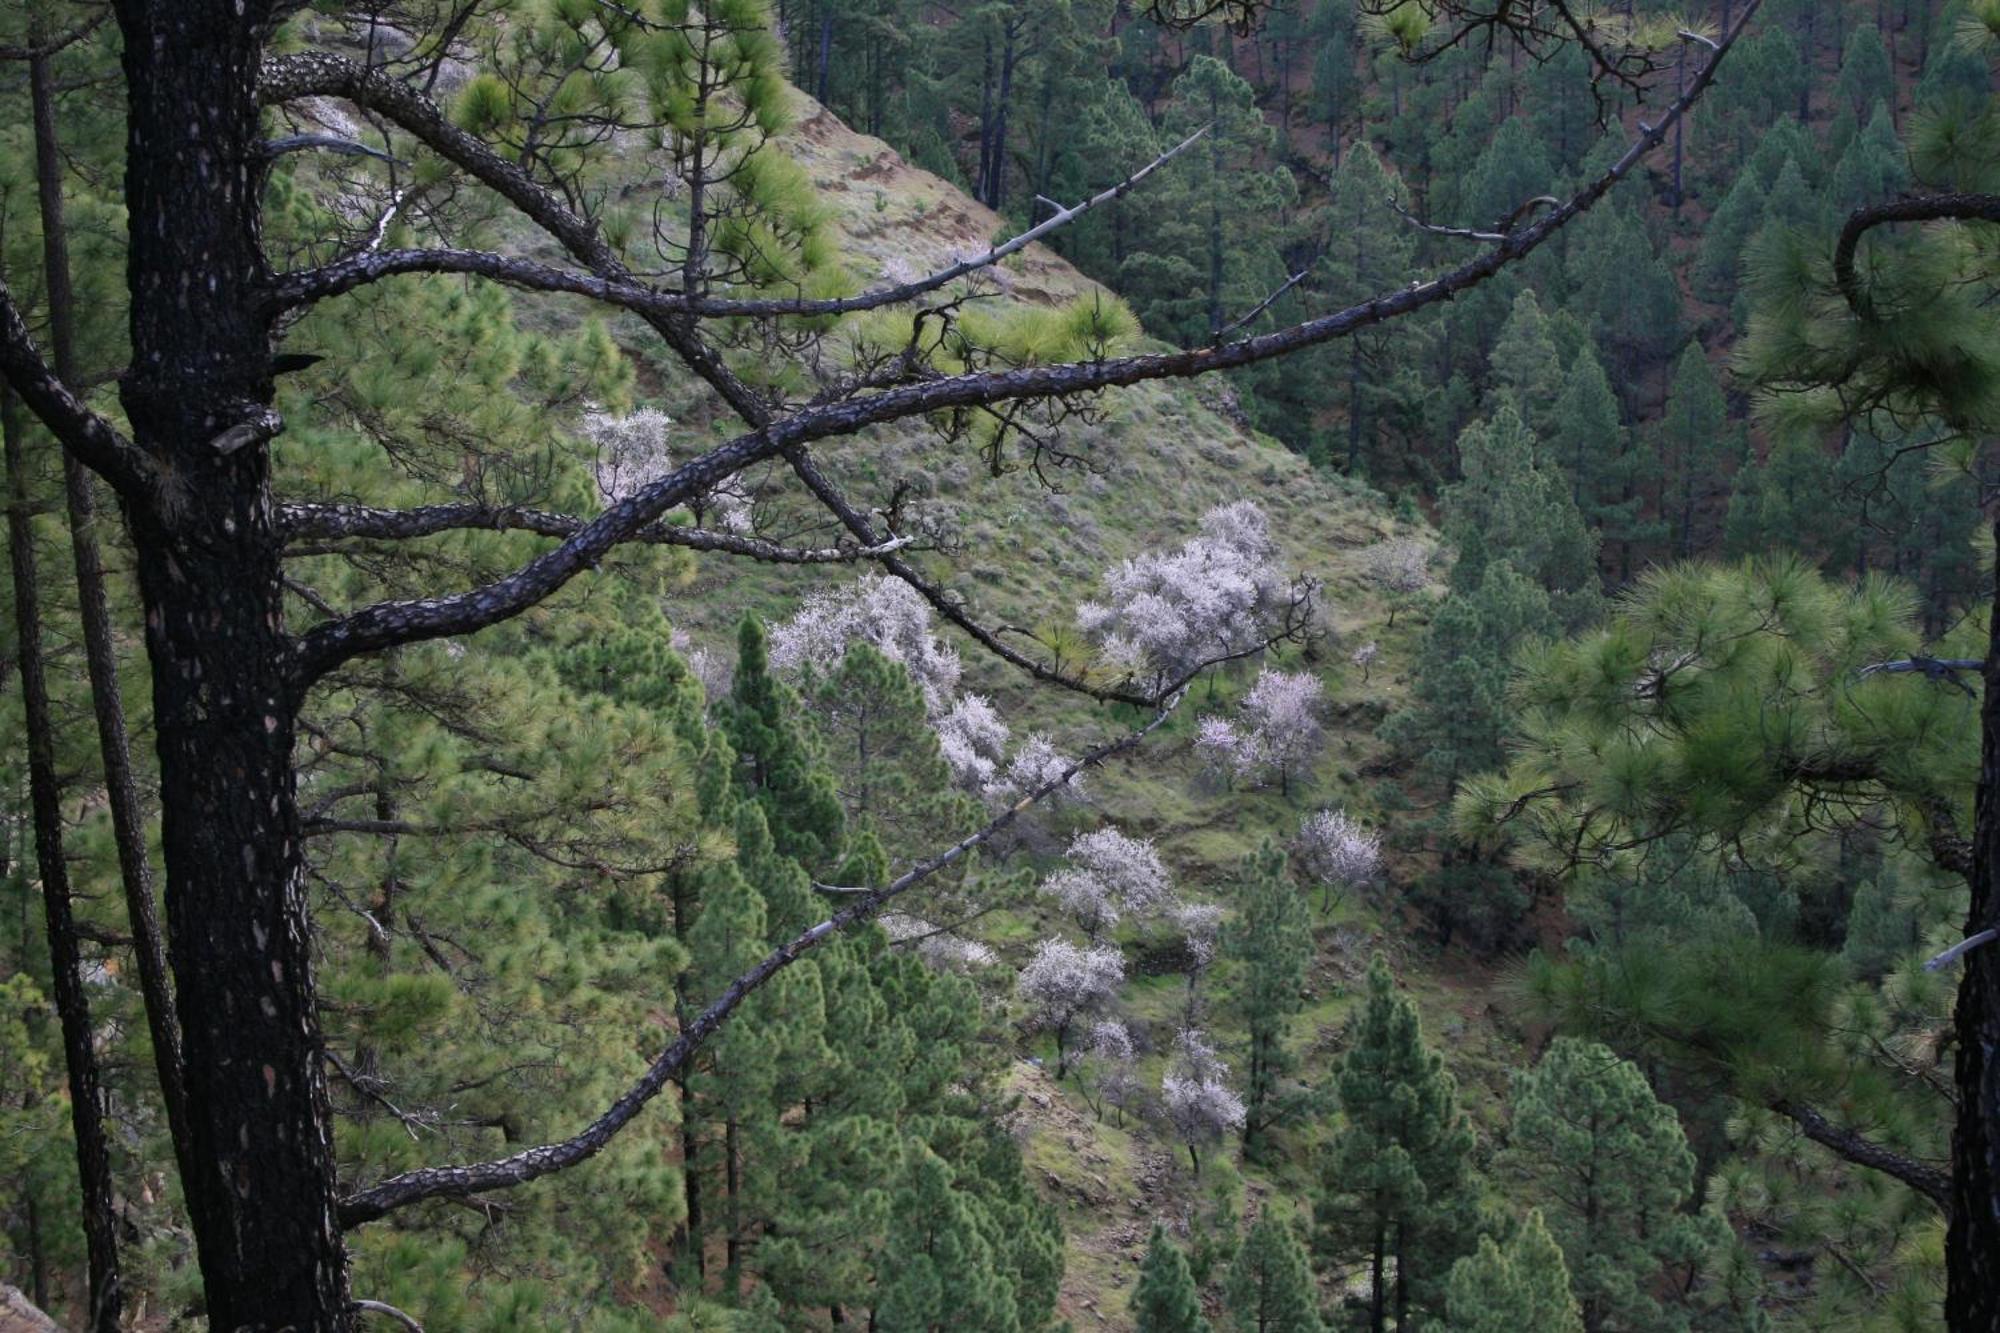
[(1163, 666)]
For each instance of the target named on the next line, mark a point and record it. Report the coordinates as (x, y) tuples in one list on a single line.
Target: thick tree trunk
[(262, 1197), (107, 700), (86, 1101), (1972, 1246)]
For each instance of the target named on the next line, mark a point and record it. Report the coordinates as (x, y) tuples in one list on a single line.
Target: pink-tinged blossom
[(1108, 876), (1337, 852), (1196, 1092), (1162, 615), (1364, 657), (1063, 983), (885, 613), (1201, 928)]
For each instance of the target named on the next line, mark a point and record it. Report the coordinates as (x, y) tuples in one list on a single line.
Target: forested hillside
[(1274, 665)]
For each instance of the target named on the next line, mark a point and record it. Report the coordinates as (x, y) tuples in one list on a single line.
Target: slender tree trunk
[(86, 1100), (1402, 1283), (997, 167), (1376, 1311), (100, 653), (38, 1255), (1972, 1245), (262, 1195)]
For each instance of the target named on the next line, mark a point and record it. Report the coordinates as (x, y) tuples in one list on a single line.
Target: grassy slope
[(1161, 456)]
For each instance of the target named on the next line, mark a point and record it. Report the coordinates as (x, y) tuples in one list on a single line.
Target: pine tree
[(1395, 1183), (1272, 942), (1513, 509), (1524, 1286), (1698, 449), (1366, 250), (1614, 1172), (1606, 473), (779, 763), (883, 755), (1270, 1286), (1166, 1300), (1214, 226), (1526, 366)]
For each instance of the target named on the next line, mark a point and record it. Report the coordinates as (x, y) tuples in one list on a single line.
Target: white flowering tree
[(1109, 1065), (1063, 985), (885, 613), (1109, 876), (1201, 934), (890, 616), (1197, 1096), (1217, 596), (1364, 657), (1337, 852), (1276, 731), (1035, 764), (1401, 567)]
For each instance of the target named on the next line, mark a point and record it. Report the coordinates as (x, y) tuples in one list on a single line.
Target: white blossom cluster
[(1063, 981), (631, 450), (631, 454), (1402, 564), (1111, 1061), (1337, 851), (885, 613), (1201, 928), (1275, 730), (1196, 1091), (1108, 876), (1163, 615), (896, 621), (941, 950)]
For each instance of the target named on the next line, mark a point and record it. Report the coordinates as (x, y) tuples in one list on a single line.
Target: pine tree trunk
[(101, 655), (262, 1196), (1376, 1312), (86, 1101), (1972, 1246)]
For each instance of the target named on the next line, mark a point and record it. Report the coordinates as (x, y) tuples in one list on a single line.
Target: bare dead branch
[(328, 143), (346, 521), (298, 289), (1960, 949)]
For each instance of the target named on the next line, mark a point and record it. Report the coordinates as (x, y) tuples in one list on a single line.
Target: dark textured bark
[(261, 1197), (1972, 1245), (1926, 1180), (86, 1101), (100, 653)]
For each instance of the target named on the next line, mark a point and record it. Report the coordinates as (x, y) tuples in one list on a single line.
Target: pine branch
[(1923, 208), (81, 431), (547, 1159), (307, 286), (1861, 1150), (391, 623), (346, 521)]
